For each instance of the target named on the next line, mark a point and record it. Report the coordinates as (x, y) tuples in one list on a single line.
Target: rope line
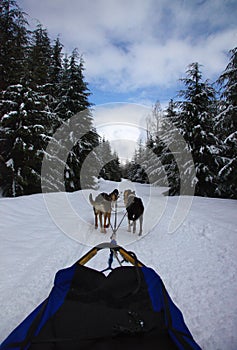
[(113, 239)]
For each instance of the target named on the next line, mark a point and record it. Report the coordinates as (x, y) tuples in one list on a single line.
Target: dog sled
[(129, 307)]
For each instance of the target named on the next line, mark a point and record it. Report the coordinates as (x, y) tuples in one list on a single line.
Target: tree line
[(205, 115), (41, 88)]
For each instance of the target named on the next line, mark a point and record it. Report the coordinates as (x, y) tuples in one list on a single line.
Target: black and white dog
[(135, 210)]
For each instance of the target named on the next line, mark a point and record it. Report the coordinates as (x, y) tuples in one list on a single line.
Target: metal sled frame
[(114, 248)]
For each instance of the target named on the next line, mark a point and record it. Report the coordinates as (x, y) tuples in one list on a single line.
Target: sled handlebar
[(127, 256)]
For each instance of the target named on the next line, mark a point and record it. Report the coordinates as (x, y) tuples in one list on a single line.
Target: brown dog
[(102, 206)]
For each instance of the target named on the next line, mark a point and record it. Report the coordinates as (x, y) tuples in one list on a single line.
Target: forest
[(42, 89)]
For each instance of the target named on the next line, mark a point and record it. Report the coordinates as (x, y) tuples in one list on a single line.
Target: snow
[(231, 138), (41, 234)]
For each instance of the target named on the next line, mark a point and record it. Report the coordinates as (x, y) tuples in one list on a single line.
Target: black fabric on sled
[(100, 312), (129, 308)]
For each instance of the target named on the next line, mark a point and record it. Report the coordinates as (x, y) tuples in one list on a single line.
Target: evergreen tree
[(24, 130), (132, 171), (28, 121), (105, 156), (55, 72), (151, 161), (173, 150), (74, 92), (140, 159), (40, 60), (111, 169), (116, 169), (226, 129), (196, 122), (73, 100), (23, 111), (38, 97), (55, 78), (136, 169), (13, 44)]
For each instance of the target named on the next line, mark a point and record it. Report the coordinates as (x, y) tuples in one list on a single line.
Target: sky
[(136, 51)]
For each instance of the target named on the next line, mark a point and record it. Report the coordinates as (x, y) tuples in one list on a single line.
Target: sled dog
[(135, 210), (102, 206)]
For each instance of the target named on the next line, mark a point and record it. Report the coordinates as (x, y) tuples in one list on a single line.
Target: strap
[(110, 262)]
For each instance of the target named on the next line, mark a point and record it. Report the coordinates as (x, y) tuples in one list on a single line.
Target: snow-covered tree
[(135, 170), (24, 137), (110, 168), (13, 44), (173, 150), (24, 112), (115, 168), (73, 99), (150, 161), (56, 64), (226, 129), (38, 97), (196, 122), (39, 60), (55, 79), (132, 171), (157, 157)]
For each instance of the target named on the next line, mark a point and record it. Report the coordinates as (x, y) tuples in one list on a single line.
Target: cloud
[(130, 45), (148, 64), (123, 124), (138, 50)]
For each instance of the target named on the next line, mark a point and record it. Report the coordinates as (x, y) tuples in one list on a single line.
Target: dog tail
[(91, 199)]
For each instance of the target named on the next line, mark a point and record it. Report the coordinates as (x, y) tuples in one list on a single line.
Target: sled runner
[(127, 309)]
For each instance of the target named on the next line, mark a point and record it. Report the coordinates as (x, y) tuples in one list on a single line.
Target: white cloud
[(122, 124), (138, 44)]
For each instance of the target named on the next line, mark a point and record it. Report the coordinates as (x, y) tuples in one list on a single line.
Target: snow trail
[(198, 262)]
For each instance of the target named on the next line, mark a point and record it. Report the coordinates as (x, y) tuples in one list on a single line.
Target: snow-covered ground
[(191, 244)]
